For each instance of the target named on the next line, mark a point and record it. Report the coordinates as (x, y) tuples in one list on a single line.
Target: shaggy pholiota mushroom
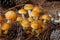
[(45, 17), (25, 24), (37, 9), (22, 12), (35, 26), (28, 7), (35, 15), (5, 27), (19, 18), (10, 16)]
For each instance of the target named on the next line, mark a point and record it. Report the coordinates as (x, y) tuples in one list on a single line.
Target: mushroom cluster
[(30, 17), (32, 20), (5, 22)]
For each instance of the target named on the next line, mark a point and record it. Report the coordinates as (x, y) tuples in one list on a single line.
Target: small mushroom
[(25, 24), (37, 9), (19, 18), (35, 15), (10, 16), (5, 27), (22, 12), (45, 17), (28, 7), (34, 25)]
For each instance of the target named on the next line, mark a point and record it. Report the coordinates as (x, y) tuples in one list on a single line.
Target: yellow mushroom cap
[(28, 6), (22, 11), (19, 18), (44, 25), (34, 14), (30, 19), (11, 15), (37, 9), (6, 26), (45, 17), (25, 23), (35, 25), (1, 18)]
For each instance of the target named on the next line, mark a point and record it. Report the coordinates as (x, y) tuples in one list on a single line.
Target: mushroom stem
[(8, 21), (36, 18), (37, 34), (23, 16), (29, 11), (44, 21), (5, 32), (24, 28), (33, 31)]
